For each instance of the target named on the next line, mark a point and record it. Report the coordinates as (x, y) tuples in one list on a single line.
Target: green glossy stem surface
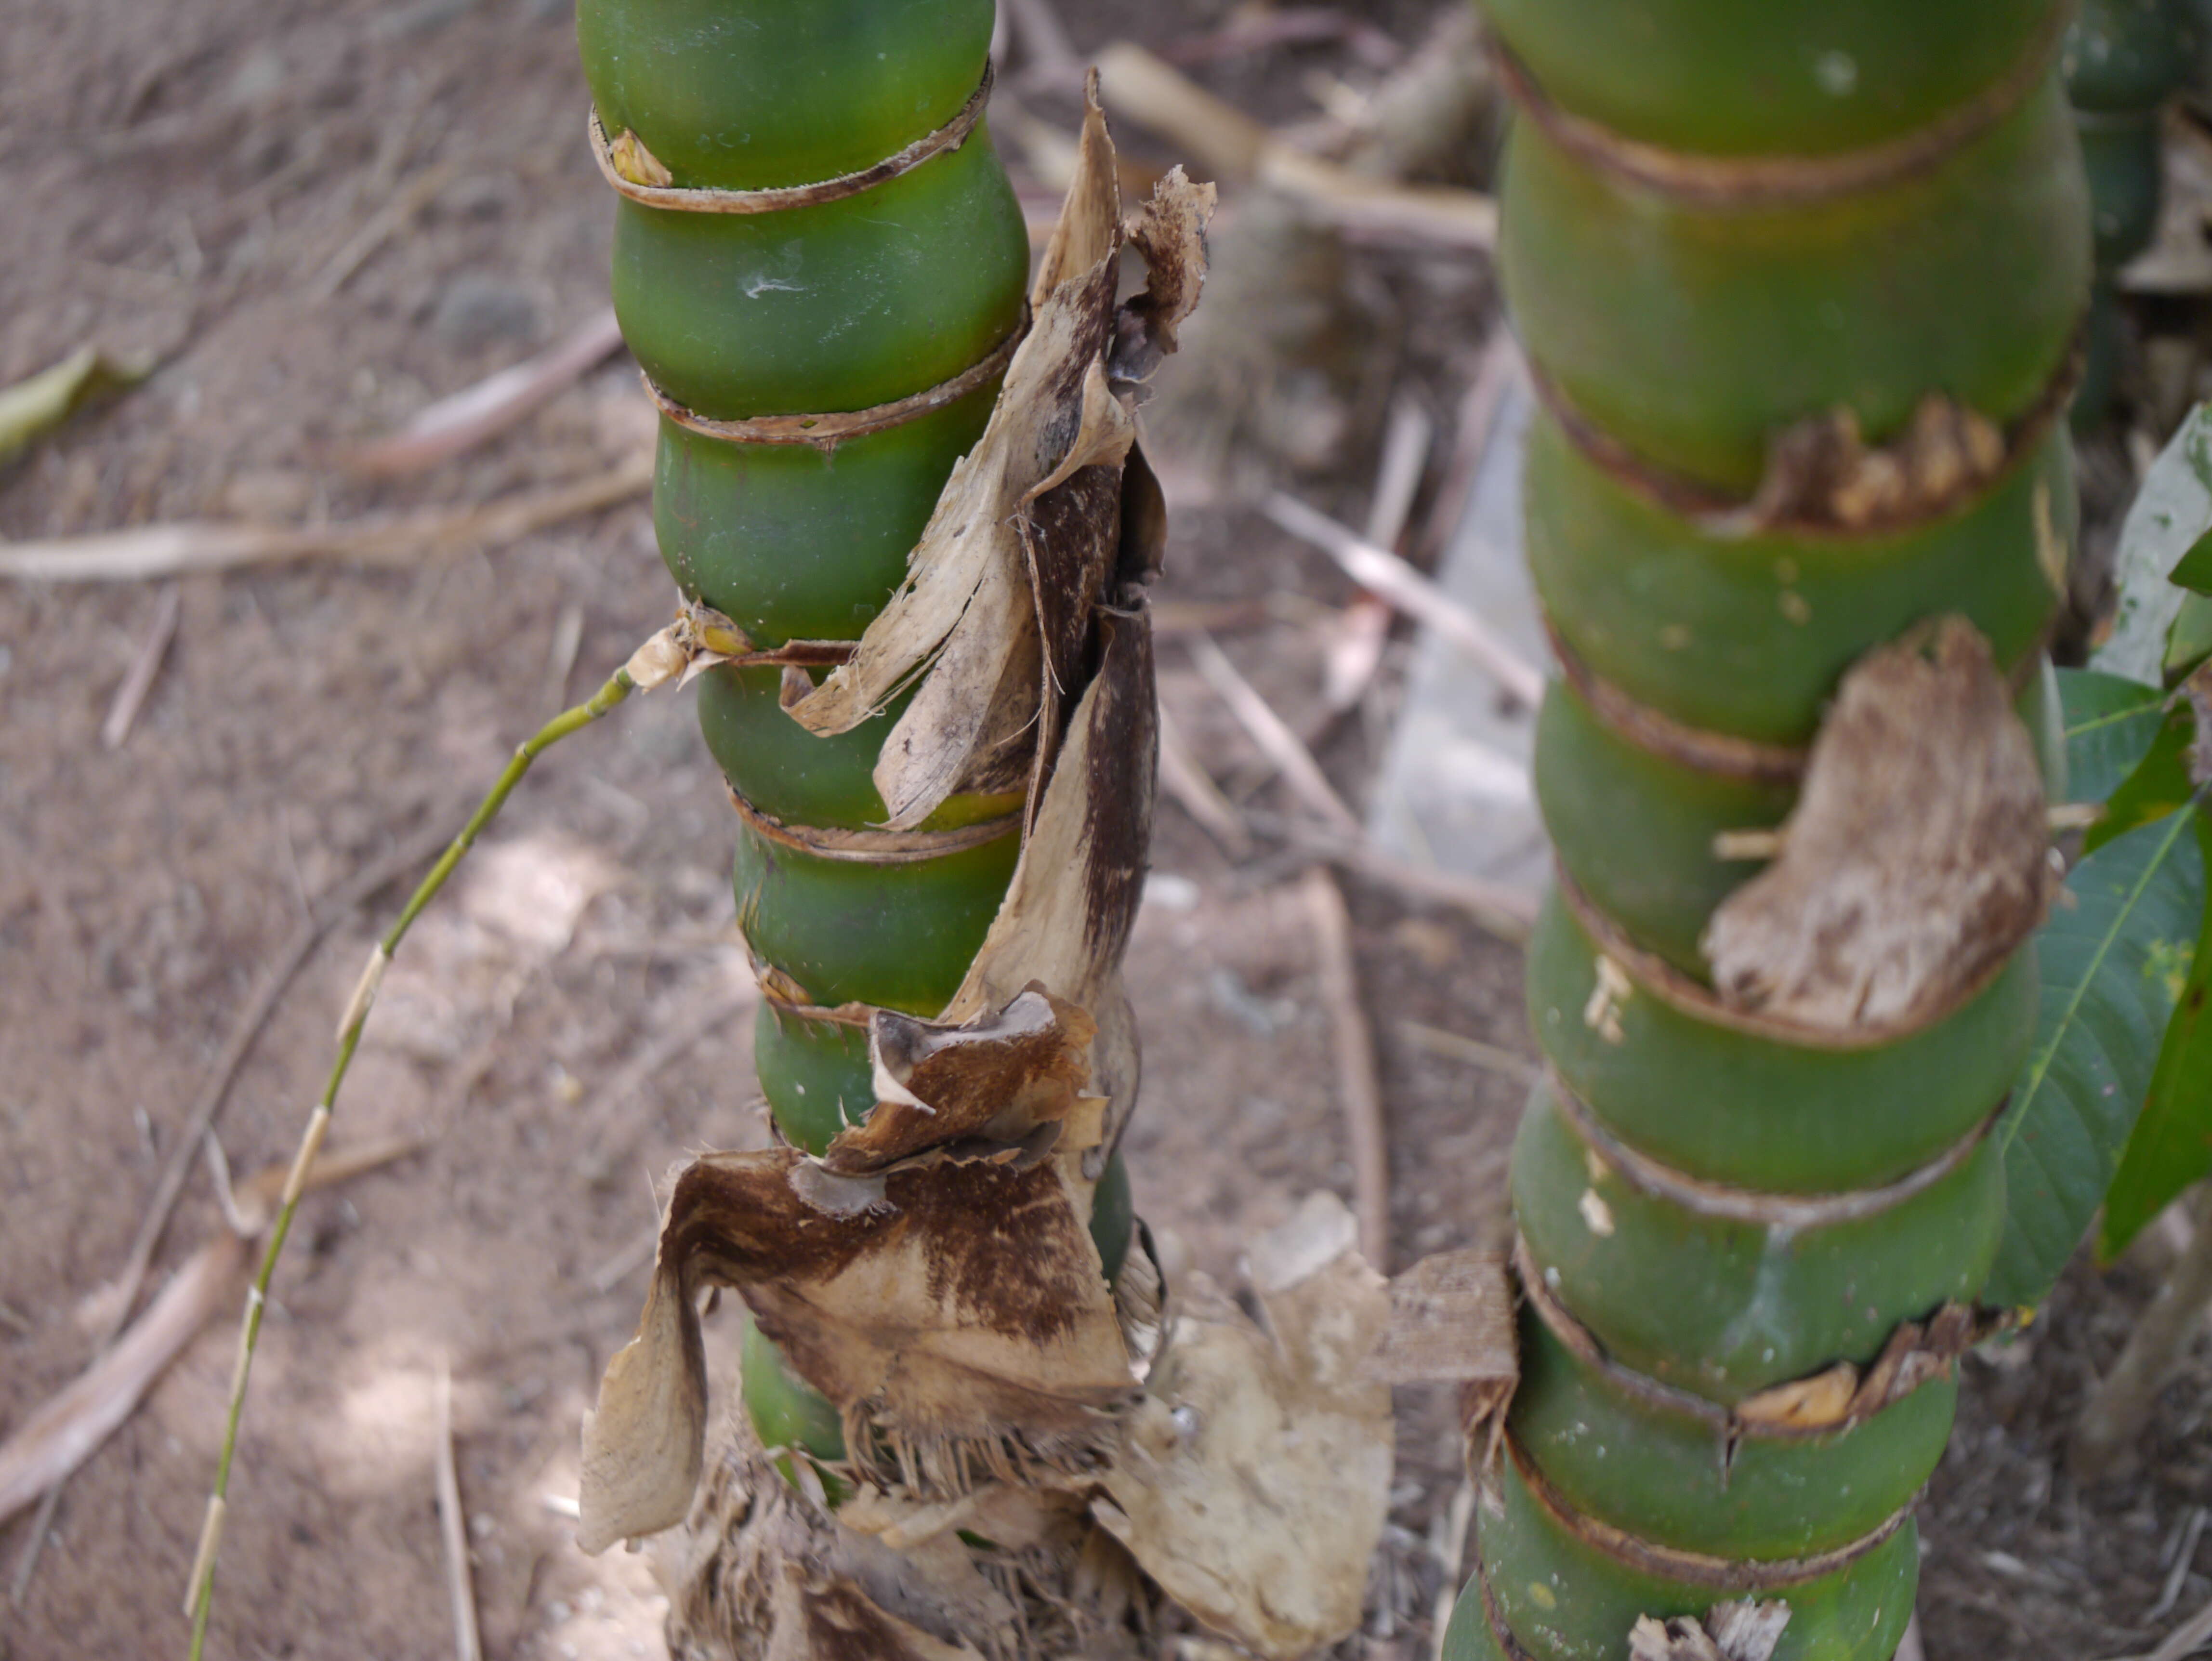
[(1723, 1212)]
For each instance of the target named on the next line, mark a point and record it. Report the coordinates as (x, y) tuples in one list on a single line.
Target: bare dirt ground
[(322, 215)]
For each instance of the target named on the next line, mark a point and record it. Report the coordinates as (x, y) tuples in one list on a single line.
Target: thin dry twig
[(1355, 652), (1286, 26), (453, 1528), (2185, 1640), (1359, 1088), (1052, 55), (158, 550), (1385, 573), (1458, 1047), (338, 904), (440, 431), (1283, 748), (2184, 1559), (1505, 912), (1193, 787), (1229, 143), (130, 697), (379, 228)]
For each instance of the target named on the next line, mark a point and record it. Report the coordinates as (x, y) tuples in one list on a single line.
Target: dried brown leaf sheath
[(968, 1306), (1452, 1320), (1253, 1479), (1740, 1631), (1914, 862), (1024, 539), (992, 1081)]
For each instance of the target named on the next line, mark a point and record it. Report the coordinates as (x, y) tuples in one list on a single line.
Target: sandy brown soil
[(194, 179)]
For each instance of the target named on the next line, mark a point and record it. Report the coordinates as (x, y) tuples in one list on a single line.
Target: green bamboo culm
[(2124, 60), (1726, 224), (821, 266)]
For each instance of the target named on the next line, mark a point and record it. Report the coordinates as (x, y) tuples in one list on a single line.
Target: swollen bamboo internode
[(1802, 289)]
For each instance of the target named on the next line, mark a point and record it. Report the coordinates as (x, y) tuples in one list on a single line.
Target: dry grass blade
[(159, 551), (453, 425), (454, 1529), (1281, 746), (1359, 1087), (1385, 573), (122, 713)]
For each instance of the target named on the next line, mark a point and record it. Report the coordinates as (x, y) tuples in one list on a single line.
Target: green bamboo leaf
[(2108, 992), (2110, 721), (2194, 568), (2190, 642), (2171, 1147), (2160, 784)]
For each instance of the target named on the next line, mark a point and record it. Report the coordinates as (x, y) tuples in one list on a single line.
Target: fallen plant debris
[(1916, 859), (62, 1432), (1743, 1630), (34, 407), (456, 424), (160, 551)]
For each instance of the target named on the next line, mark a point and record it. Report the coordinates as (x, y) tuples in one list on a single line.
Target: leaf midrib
[(2039, 1068)]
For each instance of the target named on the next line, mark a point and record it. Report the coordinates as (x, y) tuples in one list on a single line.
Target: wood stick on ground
[(2111, 1423), (1051, 55), (1384, 572), (123, 713), (2184, 1559), (1909, 1647), (440, 431), (1193, 787), (1277, 742), (1506, 912), (1358, 1086), (158, 550), (1222, 140), (453, 1527), (1495, 369), (1355, 653), (61, 1431)]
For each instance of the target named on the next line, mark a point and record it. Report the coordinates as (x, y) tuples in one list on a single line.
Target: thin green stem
[(201, 1595)]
